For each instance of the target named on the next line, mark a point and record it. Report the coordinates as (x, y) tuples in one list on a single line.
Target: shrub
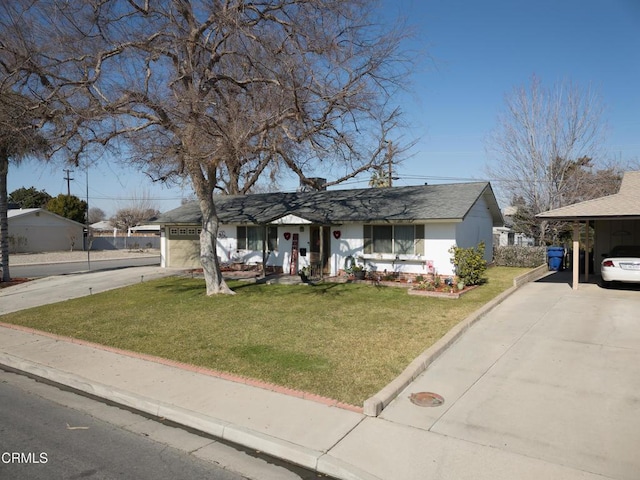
[(519, 256), (469, 263)]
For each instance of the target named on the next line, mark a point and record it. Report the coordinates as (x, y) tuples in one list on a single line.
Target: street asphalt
[(543, 386)]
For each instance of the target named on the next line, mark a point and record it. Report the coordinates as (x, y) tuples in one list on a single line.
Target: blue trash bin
[(555, 257)]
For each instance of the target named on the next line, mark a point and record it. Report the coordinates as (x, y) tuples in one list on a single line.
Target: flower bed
[(442, 293)]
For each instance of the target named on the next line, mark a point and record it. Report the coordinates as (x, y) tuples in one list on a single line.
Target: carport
[(615, 220)]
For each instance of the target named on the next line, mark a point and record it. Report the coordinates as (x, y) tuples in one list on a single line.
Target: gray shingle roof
[(397, 204)]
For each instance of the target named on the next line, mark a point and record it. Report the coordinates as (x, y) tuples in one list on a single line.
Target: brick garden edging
[(428, 293)]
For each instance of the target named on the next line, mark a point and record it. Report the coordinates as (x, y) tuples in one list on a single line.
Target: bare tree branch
[(226, 93)]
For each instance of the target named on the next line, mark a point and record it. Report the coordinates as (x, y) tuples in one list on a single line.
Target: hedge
[(519, 256)]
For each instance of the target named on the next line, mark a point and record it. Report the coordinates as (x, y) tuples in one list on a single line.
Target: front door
[(319, 249)]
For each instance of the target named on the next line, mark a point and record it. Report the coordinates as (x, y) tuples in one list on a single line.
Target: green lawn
[(343, 341)]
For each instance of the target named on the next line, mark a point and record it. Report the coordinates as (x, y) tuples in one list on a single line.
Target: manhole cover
[(426, 399)]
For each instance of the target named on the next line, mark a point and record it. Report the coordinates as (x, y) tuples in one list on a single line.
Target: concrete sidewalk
[(543, 387), (59, 288)]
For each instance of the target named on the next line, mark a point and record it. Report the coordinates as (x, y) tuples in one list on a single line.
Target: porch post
[(264, 250), (576, 254), (586, 253), (321, 233)]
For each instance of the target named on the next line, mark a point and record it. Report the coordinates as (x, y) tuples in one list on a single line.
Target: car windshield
[(626, 251)]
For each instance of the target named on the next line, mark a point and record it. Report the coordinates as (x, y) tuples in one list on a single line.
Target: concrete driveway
[(547, 385)]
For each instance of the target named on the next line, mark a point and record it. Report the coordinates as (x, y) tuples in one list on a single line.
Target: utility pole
[(87, 240), (68, 179), (390, 161)]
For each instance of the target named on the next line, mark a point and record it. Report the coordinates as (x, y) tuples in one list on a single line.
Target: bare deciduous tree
[(136, 211), (544, 151), (223, 92), (126, 218)]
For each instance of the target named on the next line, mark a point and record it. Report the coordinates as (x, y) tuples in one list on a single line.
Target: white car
[(622, 264)]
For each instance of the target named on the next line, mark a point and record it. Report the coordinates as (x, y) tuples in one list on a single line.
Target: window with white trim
[(394, 239), (252, 238)]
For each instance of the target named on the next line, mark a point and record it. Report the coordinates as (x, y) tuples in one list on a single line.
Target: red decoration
[(287, 235), (336, 234)]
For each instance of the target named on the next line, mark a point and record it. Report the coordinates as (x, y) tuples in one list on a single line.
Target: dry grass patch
[(343, 341)]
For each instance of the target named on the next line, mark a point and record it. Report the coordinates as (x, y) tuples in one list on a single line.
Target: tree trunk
[(208, 249), (4, 222)]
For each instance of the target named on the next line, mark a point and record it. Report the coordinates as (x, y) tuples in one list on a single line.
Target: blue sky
[(476, 53)]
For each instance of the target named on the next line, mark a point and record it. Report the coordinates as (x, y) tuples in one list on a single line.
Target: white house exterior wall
[(227, 243), (164, 248), (349, 244), (282, 258), (439, 238), (475, 228)]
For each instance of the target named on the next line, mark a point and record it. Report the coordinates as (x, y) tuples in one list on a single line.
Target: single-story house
[(102, 228), (38, 230), (505, 235), (404, 230), (615, 220)]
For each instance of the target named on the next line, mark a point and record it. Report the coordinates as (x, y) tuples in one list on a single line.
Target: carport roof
[(624, 204), (398, 204)]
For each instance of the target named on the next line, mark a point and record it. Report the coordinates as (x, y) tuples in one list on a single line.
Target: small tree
[(68, 206), (126, 218), (469, 263), (136, 211), (29, 197)]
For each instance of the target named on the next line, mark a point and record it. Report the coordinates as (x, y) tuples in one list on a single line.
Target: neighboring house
[(38, 230), (102, 228), (106, 228), (401, 229), (505, 235)]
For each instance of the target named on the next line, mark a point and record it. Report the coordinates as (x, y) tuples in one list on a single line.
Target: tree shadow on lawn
[(311, 288), (182, 285), (196, 286)]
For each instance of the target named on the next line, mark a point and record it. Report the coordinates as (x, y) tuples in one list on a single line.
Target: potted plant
[(304, 273), (358, 272)]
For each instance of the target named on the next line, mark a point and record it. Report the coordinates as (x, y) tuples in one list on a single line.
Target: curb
[(314, 460), (374, 405)]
